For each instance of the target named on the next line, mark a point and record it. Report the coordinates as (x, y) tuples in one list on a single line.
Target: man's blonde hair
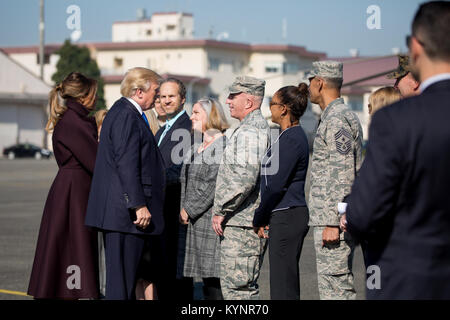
[(138, 78)]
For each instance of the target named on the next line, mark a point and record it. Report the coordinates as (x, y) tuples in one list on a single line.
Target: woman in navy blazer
[(283, 204)]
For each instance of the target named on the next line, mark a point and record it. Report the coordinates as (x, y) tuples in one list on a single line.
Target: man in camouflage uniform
[(404, 80), (335, 162), (237, 192)]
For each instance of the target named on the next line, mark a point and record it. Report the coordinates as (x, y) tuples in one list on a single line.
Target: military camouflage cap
[(403, 68), (327, 69), (250, 85)]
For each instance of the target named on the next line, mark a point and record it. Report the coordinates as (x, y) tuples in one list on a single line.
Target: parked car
[(26, 150)]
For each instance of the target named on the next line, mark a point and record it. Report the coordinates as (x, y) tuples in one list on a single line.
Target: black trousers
[(211, 289), (169, 287), (287, 230), (123, 253)]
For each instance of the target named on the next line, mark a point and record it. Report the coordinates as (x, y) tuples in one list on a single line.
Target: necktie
[(145, 119)]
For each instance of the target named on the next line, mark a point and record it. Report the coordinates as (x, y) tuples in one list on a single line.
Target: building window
[(149, 32), (170, 27), (213, 64), (273, 67), (118, 62), (46, 59), (289, 67)]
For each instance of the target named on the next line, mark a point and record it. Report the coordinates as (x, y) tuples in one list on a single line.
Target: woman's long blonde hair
[(75, 86)]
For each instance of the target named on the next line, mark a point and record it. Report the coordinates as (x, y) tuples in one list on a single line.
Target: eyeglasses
[(275, 104), (408, 41)]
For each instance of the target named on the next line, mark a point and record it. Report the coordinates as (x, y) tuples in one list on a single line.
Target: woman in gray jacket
[(198, 183)]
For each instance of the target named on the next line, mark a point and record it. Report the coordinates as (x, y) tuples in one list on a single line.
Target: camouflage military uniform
[(335, 162), (236, 198)]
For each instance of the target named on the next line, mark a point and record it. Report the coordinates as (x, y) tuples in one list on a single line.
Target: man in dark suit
[(174, 140), (400, 203), (126, 197)]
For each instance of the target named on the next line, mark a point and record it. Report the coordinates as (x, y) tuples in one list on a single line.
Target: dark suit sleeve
[(375, 190), (277, 184), (125, 137)]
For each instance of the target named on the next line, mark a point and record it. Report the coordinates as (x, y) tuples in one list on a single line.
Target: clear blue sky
[(331, 26)]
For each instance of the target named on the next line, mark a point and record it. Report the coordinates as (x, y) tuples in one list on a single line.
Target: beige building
[(206, 66), (161, 26)]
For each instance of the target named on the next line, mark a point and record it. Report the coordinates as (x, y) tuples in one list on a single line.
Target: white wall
[(124, 32), (183, 61), (22, 123), (8, 125), (232, 63), (29, 62), (111, 94)]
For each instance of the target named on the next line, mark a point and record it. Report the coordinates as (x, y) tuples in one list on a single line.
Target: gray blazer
[(201, 254)]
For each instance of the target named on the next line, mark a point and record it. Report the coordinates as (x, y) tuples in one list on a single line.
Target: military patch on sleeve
[(343, 141)]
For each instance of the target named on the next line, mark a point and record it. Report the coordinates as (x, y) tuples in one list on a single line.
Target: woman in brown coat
[(65, 264)]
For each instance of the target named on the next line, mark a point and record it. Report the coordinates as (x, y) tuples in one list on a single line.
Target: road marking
[(16, 293)]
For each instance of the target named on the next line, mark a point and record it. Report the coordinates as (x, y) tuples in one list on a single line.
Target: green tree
[(78, 59)]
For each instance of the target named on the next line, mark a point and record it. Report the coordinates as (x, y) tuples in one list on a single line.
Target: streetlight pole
[(41, 36)]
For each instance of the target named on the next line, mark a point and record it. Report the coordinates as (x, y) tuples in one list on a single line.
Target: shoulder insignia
[(343, 140)]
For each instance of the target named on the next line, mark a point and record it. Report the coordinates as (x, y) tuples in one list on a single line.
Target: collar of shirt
[(433, 80), (136, 105), (249, 118), (330, 106), (169, 123)]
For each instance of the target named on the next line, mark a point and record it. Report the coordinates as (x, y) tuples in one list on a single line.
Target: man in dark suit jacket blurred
[(400, 202), (126, 197), (174, 140)]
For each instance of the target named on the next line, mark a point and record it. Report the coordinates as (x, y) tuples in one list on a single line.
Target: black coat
[(180, 132), (129, 173), (400, 204)]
